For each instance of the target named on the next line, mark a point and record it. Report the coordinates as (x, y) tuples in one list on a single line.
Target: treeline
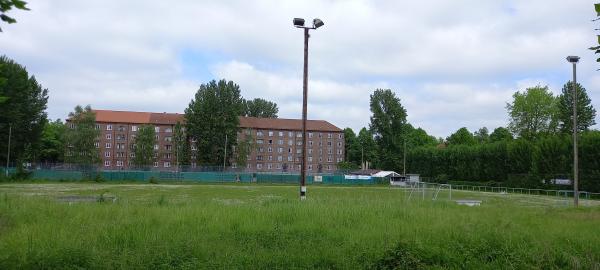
[(516, 163)]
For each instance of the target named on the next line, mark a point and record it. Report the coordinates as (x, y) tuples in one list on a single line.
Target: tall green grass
[(266, 227)]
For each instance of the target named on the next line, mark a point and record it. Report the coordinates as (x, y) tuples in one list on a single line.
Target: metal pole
[(304, 104), (575, 157), (404, 159), (8, 149)]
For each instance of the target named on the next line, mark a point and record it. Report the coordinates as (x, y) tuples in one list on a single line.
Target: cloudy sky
[(452, 63)]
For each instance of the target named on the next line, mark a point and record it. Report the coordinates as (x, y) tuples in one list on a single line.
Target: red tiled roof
[(288, 124), (108, 116)]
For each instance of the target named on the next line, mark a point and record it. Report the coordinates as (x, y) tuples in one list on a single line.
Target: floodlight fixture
[(298, 22), (317, 23), (573, 59)]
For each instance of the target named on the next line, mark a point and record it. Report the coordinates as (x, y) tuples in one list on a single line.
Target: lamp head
[(317, 23), (298, 22), (573, 59)]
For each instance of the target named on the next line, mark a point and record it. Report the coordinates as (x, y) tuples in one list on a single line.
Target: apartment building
[(277, 142), (278, 145)]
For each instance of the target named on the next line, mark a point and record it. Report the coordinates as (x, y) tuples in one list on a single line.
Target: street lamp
[(574, 60), (299, 23)]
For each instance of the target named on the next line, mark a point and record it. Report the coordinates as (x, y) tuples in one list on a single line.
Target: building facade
[(276, 143)]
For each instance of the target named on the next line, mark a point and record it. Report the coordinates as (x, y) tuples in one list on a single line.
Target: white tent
[(385, 174)]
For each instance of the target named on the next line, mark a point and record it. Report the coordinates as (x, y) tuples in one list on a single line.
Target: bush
[(153, 180)]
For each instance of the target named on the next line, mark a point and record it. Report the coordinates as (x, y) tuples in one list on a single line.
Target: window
[(339, 144), (339, 151), (330, 151), (168, 139), (156, 129), (280, 142), (259, 141), (270, 133), (328, 135), (279, 158), (339, 160), (290, 158), (299, 143), (121, 128), (133, 128), (320, 134), (340, 136), (155, 164), (309, 151), (280, 150), (278, 166), (119, 163), (108, 136), (289, 150), (280, 133), (259, 158), (259, 133), (320, 144), (328, 143), (107, 163), (270, 141), (297, 159), (310, 134), (320, 159), (291, 134), (157, 137), (120, 146), (310, 167), (168, 147), (132, 154), (133, 137), (108, 127), (299, 134), (269, 166), (310, 143), (120, 154), (97, 144), (120, 137), (107, 154), (291, 142), (168, 130), (329, 159), (269, 149), (193, 148), (98, 126), (270, 158), (298, 151), (167, 164), (260, 149), (309, 159), (108, 145), (156, 147), (167, 156), (329, 167)]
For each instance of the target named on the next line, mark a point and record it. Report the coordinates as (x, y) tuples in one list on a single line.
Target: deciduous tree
[(586, 113), (388, 120), (532, 113), (81, 136), (145, 140), (7, 5), (261, 108)]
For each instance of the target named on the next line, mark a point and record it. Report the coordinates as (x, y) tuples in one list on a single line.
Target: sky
[(452, 64)]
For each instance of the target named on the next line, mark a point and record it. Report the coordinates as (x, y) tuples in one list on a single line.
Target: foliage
[(244, 148), (7, 5), (500, 134), (416, 137), (212, 115), (23, 110), (145, 140), (482, 135), (182, 145), (461, 137), (597, 48), (261, 108), (532, 113), (81, 136), (352, 147), (347, 166), (52, 144), (368, 147), (388, 122), (586, 113)]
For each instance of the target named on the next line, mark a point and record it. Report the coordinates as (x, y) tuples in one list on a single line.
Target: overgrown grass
[(267, 227)]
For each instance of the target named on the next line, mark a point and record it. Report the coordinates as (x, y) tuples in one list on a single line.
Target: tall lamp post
[(299, 23), (574, 60)]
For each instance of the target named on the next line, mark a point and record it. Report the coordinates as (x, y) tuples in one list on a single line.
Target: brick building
[(277, 142)]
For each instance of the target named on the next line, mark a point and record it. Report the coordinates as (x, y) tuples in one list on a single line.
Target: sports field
[(145, 226)]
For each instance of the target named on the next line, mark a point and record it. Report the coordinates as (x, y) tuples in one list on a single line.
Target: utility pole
[(574, 60), (8, 150)]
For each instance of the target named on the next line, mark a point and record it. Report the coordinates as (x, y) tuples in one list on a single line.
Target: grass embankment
[(258, 227)]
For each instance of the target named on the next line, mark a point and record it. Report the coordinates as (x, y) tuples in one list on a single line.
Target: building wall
[(280, 150)]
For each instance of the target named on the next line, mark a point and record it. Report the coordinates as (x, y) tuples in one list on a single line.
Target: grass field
[(143, 226)]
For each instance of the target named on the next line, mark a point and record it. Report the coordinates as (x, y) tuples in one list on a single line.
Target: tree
[(586, 113), (81, 137), (351, 147), (367, 146), (500, 134), (7, 5), (461, 137), (532, 113), (418, 137), (143, 147), (482, 135), (387, 124), (182, 146), (52, 144), (261, 108), (597, 48), (25, 110), (244, 148), (211, 116)]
